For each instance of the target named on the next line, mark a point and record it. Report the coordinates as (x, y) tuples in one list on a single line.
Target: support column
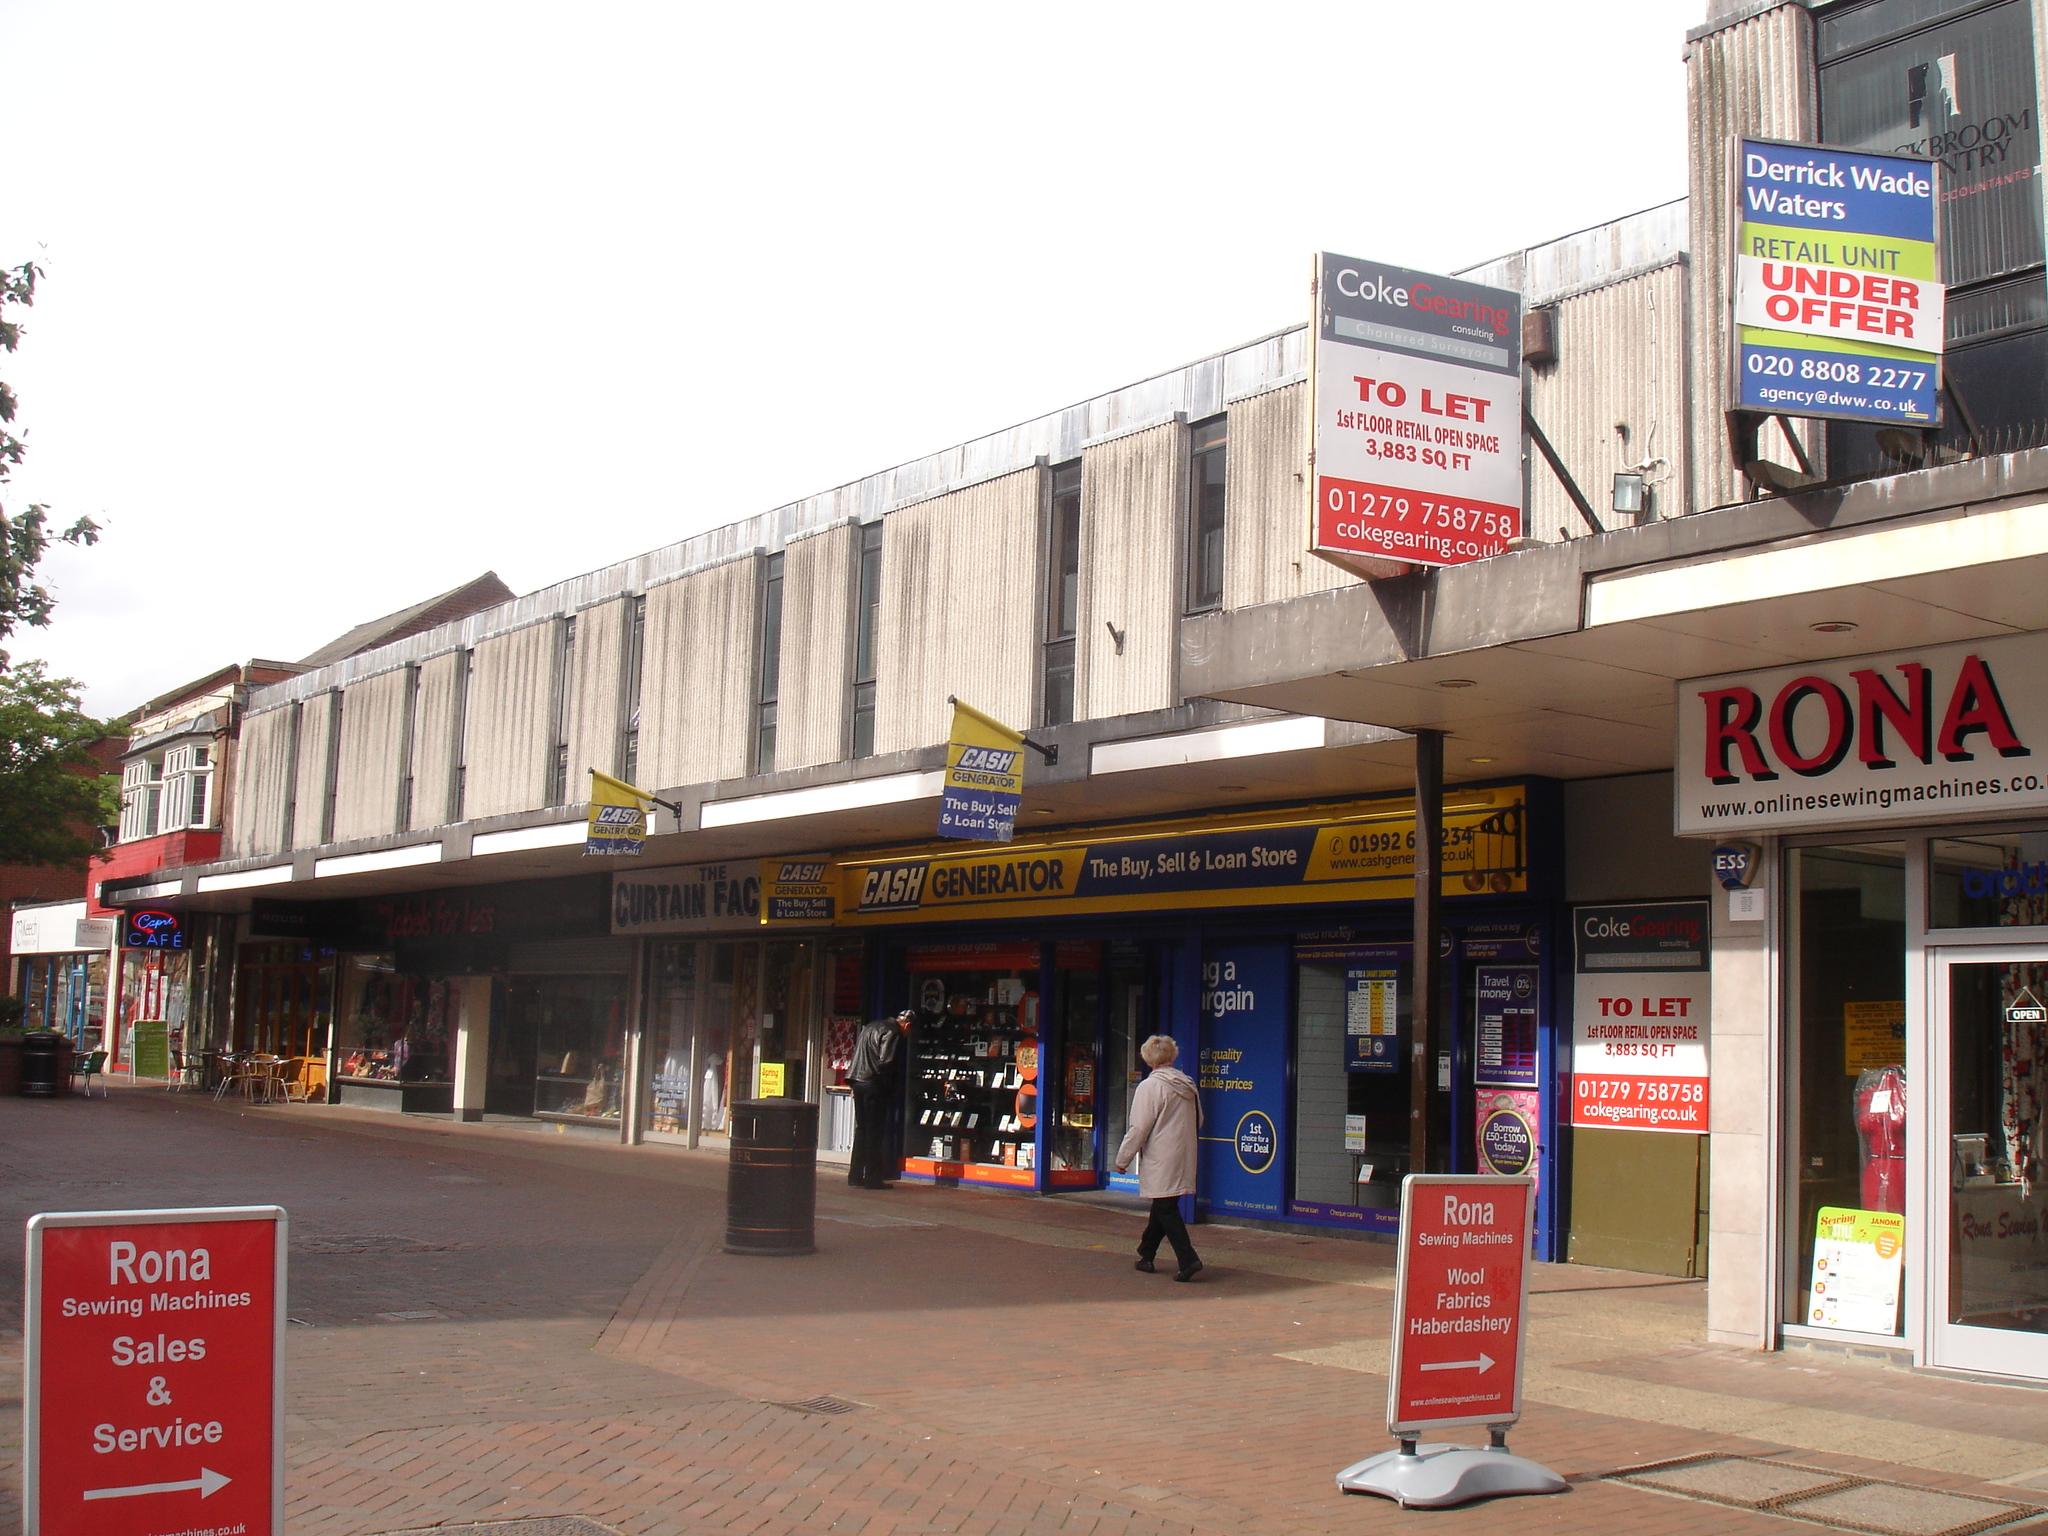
[(1425, 964), (472, 1045)]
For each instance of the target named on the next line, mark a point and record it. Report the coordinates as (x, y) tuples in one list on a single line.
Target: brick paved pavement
[(588, 1350)]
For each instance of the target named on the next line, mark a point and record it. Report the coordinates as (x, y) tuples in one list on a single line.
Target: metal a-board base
[(1438, 1476)]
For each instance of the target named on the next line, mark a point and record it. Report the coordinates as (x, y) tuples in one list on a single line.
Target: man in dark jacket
[(877, 1067)]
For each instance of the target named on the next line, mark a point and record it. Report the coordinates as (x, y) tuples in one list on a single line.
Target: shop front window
[(93, 1022), (783, 1028), (394, 1027), (671, 1018), (1997, 1248), (1074, 1090), (1995, 880), (845, 997), (156, 984), (1353, 1024), (578, 1025), (973, 1106), (1132, 1020), (722, 1000), (1846, 1038), (35, 994), (287, 999)]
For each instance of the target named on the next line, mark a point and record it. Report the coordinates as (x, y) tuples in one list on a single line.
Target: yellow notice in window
[(1873, 1035), (772, 1079)]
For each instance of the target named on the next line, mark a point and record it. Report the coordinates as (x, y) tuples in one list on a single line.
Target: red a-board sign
[(1459, 1293), (154, 1355)]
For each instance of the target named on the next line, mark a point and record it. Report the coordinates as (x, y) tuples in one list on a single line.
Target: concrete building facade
[(1224, 848)]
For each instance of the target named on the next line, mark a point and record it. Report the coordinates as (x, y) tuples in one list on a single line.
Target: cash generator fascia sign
[(1945, 733), (1840, 310), (1417, 411)]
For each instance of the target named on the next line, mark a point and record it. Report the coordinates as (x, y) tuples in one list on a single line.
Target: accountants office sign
[(1947, 733), (1839, 304), (1418, 417)]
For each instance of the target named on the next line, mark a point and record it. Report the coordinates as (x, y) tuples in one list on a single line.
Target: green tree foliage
[(53, 796), (24, 535)]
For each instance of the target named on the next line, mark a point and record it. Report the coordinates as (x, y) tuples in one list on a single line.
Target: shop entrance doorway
[(1986, 1161)]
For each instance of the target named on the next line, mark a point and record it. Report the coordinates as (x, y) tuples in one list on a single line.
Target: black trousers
[(872, 1165), (1166, 1224)]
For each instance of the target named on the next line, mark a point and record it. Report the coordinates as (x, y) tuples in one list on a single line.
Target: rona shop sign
[(1951, 733)]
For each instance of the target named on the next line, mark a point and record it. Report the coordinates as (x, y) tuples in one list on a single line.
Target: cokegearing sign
[(153, 1358), (1639, 1017), (1459, 1295), (1952, 731), (1418, 417)]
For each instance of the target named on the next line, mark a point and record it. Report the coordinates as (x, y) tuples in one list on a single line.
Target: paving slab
[(498, 1330)]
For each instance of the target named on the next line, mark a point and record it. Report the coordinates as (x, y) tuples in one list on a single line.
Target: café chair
[(188, 1070), (262, 1078), (87, 1067), (305, 1079)]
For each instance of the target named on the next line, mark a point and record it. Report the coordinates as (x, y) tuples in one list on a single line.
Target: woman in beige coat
[(1165, 1114)]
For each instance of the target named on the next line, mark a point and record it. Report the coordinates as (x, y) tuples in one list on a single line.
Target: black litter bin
[(44, 1072), (771, 1187)]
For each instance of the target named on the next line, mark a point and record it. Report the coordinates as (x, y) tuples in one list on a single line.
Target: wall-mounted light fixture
[(1631, 494)]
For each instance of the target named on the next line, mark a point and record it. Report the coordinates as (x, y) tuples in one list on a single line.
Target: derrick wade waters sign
[(1839, 304), (1418, 417)]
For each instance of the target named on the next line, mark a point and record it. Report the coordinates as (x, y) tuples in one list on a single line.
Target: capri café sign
[(1948, 733), (154, 1367)]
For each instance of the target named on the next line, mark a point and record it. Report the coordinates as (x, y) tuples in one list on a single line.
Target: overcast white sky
[(345, 304)]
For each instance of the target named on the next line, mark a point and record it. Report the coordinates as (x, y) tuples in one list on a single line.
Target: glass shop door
[(1987, 1161)]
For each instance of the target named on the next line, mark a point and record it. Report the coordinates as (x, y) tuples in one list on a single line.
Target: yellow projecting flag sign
[(618, 816), (984, 778)]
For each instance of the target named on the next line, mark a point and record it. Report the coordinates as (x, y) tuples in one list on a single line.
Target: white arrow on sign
[(1481, 1365), (208, 1482)]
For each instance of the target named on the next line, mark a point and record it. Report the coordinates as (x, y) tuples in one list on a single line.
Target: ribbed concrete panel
[(372, 757), (1132, 490), (1757, 78), (2040, 80), (597, 680), (1196, 391), (1615, 399), (433, 739), (263, 784), (816, 682), (1265, 532), (960, 610), (309, 786), (510, 689), (696, 691)]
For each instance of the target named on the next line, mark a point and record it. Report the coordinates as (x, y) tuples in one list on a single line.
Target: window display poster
[(1873, 1036), (1639, 1017), (1243, 1079), (1506, 1129), (1859, 1258), (1372, 1018), (1504, 1022)]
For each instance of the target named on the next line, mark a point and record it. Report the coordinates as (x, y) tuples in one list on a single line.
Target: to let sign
[(1459, 1291), (154, 1364)]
